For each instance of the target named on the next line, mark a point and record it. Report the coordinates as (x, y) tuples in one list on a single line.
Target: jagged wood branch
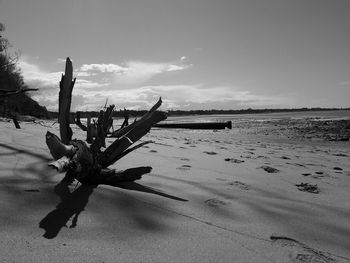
[(121, 155), (65, 98), (78, 122), (140, 128), (119, 133), (7, 93)]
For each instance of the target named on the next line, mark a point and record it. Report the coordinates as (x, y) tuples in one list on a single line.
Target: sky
[(195, 54)]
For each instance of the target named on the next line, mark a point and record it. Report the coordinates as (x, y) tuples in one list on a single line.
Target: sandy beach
[(261, 192)]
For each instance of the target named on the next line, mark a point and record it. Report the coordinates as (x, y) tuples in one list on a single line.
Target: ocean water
[(235, 118)]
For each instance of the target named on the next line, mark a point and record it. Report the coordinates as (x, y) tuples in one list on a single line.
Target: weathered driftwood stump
[(88, 163)]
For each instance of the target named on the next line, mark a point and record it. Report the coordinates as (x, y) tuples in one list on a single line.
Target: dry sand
[(243, 203)]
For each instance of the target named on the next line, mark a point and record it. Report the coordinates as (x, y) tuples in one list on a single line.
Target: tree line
[(13, 97)]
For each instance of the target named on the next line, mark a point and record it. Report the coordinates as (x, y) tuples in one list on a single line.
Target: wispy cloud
[(201, 95), (37, 77), (133, 73), (345, 83), (102, 68), (196, 96)]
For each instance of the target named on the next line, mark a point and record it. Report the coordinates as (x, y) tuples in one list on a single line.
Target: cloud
[(36, 77), (83, 84), (61, 60), (345, 83), (196, 96), (96, 82), (201, 94), (102, 68), (131, 73)]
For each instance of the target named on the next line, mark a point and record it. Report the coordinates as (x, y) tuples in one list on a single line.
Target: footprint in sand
[(185, 159), (297, 164), (285, 158), (269, 169), (184, 167), (300, 252), (211, 153), (215, 202), (306, 174), (337, 169), (233, 160), (310, 188), (319, 175), (246, 156), (340, 155), (250, 149), (221, 179), (153, 151), (240, 185)]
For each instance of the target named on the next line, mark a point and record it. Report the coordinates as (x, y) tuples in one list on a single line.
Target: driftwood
[(15, 121), (197, 125), (78, 122), (65, 98), (94, 130), (7, 93), (88, 163)]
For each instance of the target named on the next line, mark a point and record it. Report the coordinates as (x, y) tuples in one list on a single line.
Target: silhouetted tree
[(13, 97)]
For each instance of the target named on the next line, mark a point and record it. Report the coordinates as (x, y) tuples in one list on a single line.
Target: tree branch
[(7, 93)]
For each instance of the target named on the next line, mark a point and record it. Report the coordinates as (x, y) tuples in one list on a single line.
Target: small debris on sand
[(233, 160), (211, 153), (306, 187), (269, 169)]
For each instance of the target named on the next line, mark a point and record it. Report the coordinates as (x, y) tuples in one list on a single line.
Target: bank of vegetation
[(13, 98)]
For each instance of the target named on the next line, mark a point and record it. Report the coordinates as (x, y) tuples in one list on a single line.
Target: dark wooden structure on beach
[(197, 125)]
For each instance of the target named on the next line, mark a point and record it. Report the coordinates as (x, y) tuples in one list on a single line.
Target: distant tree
[(13, 99)]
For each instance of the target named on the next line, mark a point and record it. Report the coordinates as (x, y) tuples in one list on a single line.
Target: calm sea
[(316, 115)]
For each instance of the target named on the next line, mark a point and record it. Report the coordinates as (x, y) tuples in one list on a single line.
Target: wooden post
[(89, 130), (65, 98)]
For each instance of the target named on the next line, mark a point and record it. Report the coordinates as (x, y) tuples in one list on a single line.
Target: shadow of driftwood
[(73, 203), (141, 188), (17, 150)]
